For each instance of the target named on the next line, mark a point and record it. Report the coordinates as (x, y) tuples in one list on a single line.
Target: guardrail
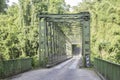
[(109, 70), (12, 67)]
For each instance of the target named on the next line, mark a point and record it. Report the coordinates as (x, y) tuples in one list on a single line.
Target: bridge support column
[(43, 47), (85, 22)]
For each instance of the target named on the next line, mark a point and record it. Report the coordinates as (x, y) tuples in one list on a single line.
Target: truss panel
[(52, 40)]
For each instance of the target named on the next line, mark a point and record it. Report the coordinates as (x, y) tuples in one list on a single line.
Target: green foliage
[(19, 27), (105, 27), (56, 6), (35, 61)]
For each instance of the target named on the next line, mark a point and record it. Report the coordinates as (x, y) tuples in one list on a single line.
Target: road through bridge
[(64, 53), (59, 36), (68, 70), (56, 46)]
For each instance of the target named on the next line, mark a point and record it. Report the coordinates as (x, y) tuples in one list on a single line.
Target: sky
[(70, 2), (11, 1), (73, 2)]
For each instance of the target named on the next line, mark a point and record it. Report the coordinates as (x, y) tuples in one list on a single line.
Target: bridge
[(51, 36), (61, 56)]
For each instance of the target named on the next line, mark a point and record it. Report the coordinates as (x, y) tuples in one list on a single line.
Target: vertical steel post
[(53, 27), (46, 43), (51, 58), (42, 42), (86, 39), (49, 42), (39, 48), (55, 40)]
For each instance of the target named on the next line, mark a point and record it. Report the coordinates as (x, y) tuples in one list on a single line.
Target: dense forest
[(19, 26), (105, 27)]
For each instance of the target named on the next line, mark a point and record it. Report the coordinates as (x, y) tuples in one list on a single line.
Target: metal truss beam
[(59, 17), (63, 20), (52, 40)]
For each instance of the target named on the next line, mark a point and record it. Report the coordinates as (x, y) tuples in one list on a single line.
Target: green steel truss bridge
[(52, 39), (56, 46)]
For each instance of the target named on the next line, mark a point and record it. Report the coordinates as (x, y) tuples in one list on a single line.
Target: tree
[(19, 27), (105, 27)]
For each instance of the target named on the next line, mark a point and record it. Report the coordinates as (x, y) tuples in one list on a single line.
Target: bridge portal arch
[(52, 40)]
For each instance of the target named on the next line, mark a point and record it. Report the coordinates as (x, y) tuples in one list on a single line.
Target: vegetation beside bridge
[(19, 27)]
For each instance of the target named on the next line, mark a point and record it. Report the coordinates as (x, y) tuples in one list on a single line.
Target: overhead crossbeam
[(66, 17), (63, 20)]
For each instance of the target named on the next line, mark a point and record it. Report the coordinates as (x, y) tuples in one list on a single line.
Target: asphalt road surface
[(67, 70)]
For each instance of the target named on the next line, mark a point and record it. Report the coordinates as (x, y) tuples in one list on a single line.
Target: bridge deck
[(67, 70)]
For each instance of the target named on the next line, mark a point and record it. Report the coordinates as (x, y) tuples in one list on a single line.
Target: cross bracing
[(54, 39)]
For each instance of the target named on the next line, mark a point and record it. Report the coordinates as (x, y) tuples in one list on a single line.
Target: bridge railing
[(12, 67), (109, 70)]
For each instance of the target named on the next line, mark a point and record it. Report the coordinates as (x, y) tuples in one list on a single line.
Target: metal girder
[(63, 17), (63, 20)]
